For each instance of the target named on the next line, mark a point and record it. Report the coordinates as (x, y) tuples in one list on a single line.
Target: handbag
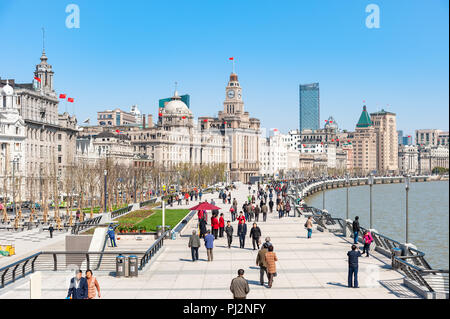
[(274, 274)]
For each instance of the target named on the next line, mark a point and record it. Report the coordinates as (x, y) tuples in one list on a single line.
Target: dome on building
[(7, 89), (176, 106)]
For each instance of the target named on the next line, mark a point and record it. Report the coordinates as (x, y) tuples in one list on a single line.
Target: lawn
[(173, 217)]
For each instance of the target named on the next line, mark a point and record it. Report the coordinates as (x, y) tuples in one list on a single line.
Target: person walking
[(239, 286), (215, 226), (309, 226), (356, 230), (233, 213), (93, 286), (255, 234), (112, 235), (200, 194), (78, 288), (209, 245), (51, 230), (353, 256), (194, 244), (287, 208), (221, 225), (367, 239), (245, 210), (264, 211), (257, 211), (261, 262), (229, 232), (242, 231), (271, 258), (202, 226), (280, 209), (271, 204)]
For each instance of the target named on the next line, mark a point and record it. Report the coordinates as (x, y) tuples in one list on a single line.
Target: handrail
[(153, 250), (4, 270)]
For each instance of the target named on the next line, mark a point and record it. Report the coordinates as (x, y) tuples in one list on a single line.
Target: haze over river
[(428, 213)]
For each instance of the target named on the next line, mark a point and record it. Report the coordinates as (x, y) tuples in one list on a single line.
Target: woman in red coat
[(221, 225), (215, 225)]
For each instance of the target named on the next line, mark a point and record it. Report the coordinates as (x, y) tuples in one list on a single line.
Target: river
[(428, 213)]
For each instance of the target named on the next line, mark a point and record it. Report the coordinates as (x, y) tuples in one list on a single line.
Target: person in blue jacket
[(112, 235), (209, 245), (78, 288)]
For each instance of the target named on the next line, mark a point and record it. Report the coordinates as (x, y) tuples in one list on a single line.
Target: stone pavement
[(307, 268)]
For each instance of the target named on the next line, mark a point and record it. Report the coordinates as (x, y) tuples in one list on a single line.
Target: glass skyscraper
[(309, 107)]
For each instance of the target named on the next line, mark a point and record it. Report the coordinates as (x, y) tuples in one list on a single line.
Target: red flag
[(225, 123), (119, 132), (331, 121), (70, 99), (183, 117), (62, 96), (205, 120), (160, 114), (232, 58), (37, 79), (332, 140)]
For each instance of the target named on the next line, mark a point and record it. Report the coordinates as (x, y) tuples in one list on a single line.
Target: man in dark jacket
[(261, 262), (257, 211), (264, 211), (242, 231), (229, 232), (356, 230), (255, 234), (271, 205), (353, 256), (202, 227), (78, 288)]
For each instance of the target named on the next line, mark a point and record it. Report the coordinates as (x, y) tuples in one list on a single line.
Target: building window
[(59, 137)]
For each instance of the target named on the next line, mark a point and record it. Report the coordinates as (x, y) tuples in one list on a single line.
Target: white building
[(12, 144), (408, 159)]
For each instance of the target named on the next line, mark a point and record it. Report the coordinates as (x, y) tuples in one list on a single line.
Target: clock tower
[(233, 104)]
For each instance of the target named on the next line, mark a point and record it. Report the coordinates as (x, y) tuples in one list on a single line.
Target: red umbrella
[(204, 206)]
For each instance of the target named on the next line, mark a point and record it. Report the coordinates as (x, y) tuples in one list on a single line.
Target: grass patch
[(173, 217)]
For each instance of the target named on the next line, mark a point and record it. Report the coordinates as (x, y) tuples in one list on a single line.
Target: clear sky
[(132, 52)]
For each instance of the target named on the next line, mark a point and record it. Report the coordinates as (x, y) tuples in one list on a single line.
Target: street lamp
[(105, 172), (14, 162), (371, 179), (407, 182), (323, 191), (347, 180)]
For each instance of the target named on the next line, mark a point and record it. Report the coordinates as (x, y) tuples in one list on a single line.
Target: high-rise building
[(385, 125), (309, 106)]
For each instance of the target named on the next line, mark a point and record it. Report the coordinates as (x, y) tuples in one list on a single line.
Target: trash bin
[(121, 262), (395, 253), (133, 266), (158, 231)]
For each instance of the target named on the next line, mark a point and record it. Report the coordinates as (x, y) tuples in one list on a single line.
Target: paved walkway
[(307, 268)]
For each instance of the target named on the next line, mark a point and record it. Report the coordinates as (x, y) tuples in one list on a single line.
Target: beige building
[(116, 117), (364, 142), (387, 141), (242, 130), (408, 159)]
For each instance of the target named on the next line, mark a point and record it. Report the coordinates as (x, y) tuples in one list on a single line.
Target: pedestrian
[(239, 286), (264, 211), (261, 262), (242, 231), (267, 242), (271, 258), (255, 234), (229, 232), (194, 244), (271, 204), (215, 226), (233, 213), (93, 286), (245, 210), (241, 217), (288, 208), (229, 197), (202, 226), (356, 229), (353, 267), (209, 245), (186, 197), (280, 209), (200, 194), (51, 230), (257, 211), (221, 225), (78, 288), (367, 239), (309, 226), (112, 235)]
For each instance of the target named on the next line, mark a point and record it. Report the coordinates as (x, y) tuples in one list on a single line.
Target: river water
[(428, 213)]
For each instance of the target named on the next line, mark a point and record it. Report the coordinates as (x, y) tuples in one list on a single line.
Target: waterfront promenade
[(307, 268)]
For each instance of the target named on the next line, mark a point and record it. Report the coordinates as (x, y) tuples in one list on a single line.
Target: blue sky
[(132, 52)]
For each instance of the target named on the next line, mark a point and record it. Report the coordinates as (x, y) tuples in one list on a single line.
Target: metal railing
[(154, 248), (121, 211), (18, 269), (85, 225), (147, 202)]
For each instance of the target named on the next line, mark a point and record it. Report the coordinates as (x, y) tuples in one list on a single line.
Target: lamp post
[(347, 180), (407, 182), (323, 191), (105, 172), (371, 179), (14, 162)]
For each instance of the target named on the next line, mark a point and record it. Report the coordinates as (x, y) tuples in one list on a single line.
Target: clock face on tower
[(230, 94)]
